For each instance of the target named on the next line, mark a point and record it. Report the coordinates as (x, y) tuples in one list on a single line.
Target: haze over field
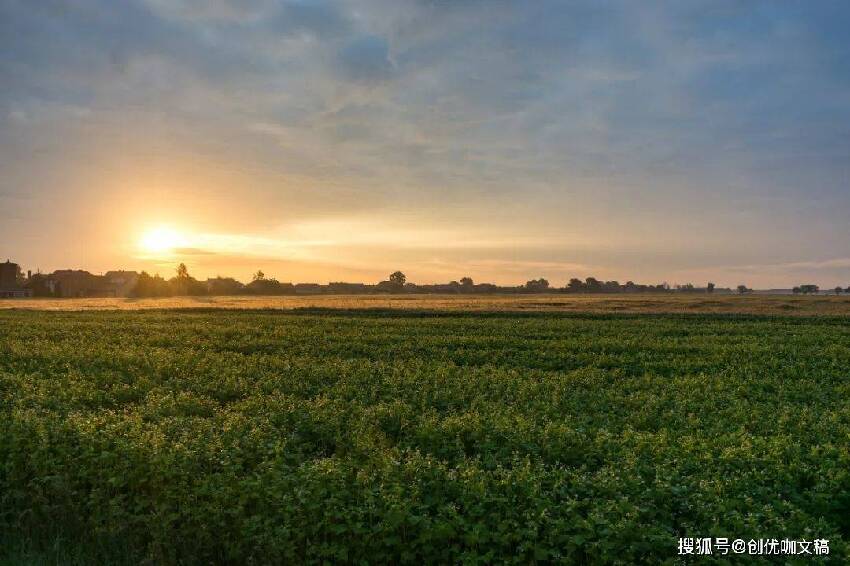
[(328, 141)]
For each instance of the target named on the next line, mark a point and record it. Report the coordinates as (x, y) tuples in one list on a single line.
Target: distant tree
[(259, 275), (398, 278), (151, 286), (575, 285), (224, 286), (592, 284), (537, 285), (838, 290), (20, 278), (631, 287), (710, 287), (743, 289), (809, 289), (796, 290), (466, 281), (847, 290), (185, 284), (269, 286)]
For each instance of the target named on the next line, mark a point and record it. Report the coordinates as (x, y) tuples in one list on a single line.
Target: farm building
[(10, 281)]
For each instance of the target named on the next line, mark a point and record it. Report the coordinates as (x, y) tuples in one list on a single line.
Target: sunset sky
[(340, 141)]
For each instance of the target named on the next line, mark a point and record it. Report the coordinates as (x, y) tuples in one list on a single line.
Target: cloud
[(192, 251), (366, 59), (706, 126)]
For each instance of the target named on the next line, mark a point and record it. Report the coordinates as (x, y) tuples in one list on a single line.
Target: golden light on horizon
[(161, 240)]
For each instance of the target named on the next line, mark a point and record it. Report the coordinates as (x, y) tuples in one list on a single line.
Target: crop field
[(797, 305), (409, 436)]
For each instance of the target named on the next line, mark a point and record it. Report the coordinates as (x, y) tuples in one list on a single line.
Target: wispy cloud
[(567, 130)]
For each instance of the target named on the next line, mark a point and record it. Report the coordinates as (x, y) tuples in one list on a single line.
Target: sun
[(161, 240)]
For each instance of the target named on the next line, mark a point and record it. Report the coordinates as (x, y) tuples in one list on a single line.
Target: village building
[(121, 282), (11, 280), (79, 283)]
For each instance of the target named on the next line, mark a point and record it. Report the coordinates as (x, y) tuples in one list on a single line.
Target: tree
[(632, 287), (151, 286), (809, 289), (398, 278), (466, 281), (185, 284), (710, 287), (838, 290), (20, 279), (592, 284), (796, 290), (575, 285), (743, 289), (269, 286), (224, 286), (537, 285), (259, 275)]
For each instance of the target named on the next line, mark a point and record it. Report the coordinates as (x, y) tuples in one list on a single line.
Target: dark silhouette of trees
[(809, 289), (185, 284), (224, 286), (537, 285), (151, 286), (838, 290), (592, 285), (262, 285), (394, 284)]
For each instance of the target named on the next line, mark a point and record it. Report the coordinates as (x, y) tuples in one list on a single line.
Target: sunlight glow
[(161, 240)]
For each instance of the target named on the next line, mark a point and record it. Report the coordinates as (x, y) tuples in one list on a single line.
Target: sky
[(326, 141)]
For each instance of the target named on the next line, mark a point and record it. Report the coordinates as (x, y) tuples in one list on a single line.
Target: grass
[(404, 436)]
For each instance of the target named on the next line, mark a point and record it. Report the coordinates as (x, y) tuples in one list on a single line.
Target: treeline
[(814, 290), (184, 284)]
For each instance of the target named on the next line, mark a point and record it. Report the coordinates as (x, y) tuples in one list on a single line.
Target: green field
[(404, 436)]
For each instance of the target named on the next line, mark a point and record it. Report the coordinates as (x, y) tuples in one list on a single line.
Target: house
[(341, 288), (121, 283), (42, 285), (80, 283), (10, 281)]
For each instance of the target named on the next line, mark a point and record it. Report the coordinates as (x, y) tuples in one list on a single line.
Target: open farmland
[(580, 303), (219, 436)]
